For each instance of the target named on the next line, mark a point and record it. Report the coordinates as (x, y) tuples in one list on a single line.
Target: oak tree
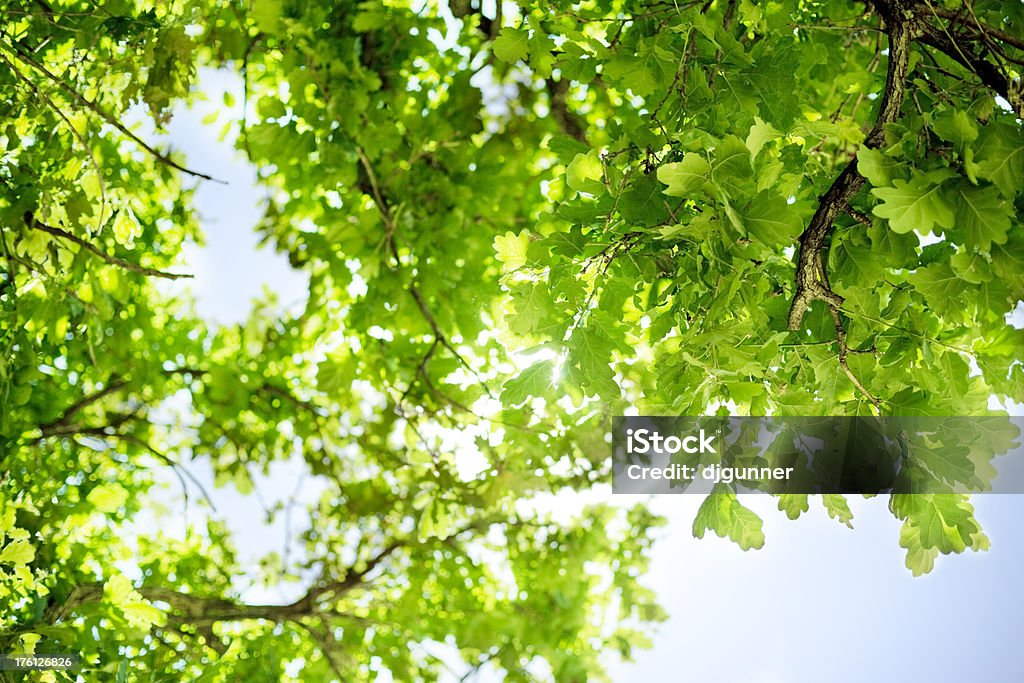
[(517, 220)]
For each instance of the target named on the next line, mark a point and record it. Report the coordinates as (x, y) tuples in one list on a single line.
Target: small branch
[(30, 221), (378, 197), (844, 351), (74, 131), (420, 372), (176, 466), (27, 58), (440, 336), (547, 428), (57, 426), (681, 71), (860, 217), (390, 227)]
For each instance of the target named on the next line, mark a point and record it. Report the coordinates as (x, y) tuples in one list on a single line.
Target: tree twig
[(844, 351), (81, 99), (32, 222), (55, 426)]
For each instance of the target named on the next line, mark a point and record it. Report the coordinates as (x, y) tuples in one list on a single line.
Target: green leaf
[(29, 641), (983, 215), (761, 133), (590, 358), (915, 205), (532, 306), (108, 498), (956, 126), (838, 509), (890, 247), (732, 163), (267, 14), (1001, 158), (643, 203), (944, 522), (941, 287), (142, 615), (634, 73), (722, 513), (879, 168), (18, 553), (685, 177), (920, 560), (511, 249), (126, 227), (535, 380), (771, 221), (584, 173), (335, 373), (793, 504), (369, 18), (512, 44), (853, 260), (950, 463)]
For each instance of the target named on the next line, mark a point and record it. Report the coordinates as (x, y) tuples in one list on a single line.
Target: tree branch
[(187, 608), (58, 425), (957, 17), (844, 352), (558, 92), (988, 73), (860, 217), (30, 221), (811, 279), (177, 467), (390, 227), (81, 99)]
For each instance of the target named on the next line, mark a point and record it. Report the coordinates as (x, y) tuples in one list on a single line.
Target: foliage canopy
[(513, 226)]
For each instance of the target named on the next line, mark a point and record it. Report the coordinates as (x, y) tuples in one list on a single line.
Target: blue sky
[(819, 603)]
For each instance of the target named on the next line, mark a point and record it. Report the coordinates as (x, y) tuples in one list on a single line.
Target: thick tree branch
[(988, 73), (558, 93), (992, 31), (812, 282), (32, 222), (196, 610), (811, 279)]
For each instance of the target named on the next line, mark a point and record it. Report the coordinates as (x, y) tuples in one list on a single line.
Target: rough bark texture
[(811, 274)]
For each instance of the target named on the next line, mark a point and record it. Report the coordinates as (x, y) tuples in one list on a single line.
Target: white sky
[(819, 603)]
